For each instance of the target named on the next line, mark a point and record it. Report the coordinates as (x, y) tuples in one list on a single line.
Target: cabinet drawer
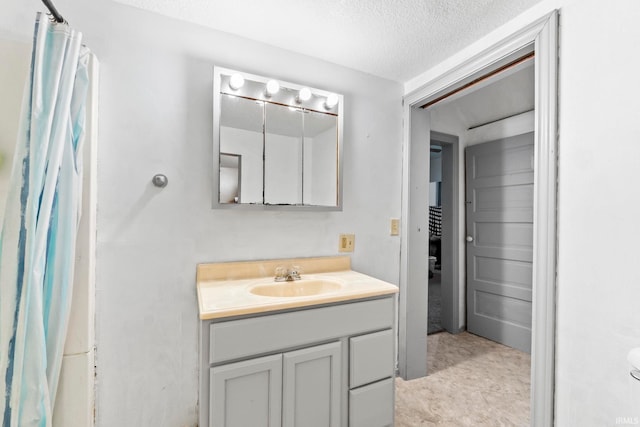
[(372, 405), (235, 339), (371, 358)]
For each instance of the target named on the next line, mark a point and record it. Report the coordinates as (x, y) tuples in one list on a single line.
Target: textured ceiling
[(394, 39)]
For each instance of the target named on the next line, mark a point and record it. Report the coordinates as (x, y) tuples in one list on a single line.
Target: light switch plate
[(346, 243), (395, 227)]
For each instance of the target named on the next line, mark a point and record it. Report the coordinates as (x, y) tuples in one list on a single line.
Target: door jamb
[(542, 35)]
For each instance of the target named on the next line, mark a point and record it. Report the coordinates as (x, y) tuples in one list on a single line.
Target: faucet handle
[(294, 272), (281, 274)]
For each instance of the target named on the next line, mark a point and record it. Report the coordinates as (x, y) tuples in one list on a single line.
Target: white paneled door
[(499, 220)]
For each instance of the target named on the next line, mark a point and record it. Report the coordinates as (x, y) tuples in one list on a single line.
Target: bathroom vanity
[(314, 357)]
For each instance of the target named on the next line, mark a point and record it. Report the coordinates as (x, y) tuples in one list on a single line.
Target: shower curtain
[(37, 241)]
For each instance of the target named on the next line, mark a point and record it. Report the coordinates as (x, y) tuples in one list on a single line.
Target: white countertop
[(224, 298)]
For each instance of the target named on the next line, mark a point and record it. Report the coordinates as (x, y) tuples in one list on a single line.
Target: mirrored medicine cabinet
[(277, 145)]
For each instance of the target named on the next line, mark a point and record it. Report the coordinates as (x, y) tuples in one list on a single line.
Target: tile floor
[(472, 382)]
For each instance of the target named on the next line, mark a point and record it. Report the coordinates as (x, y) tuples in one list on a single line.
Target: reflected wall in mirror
[(320, 159), (277, 145), (283, 138)]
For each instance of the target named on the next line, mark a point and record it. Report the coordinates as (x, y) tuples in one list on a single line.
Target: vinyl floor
[(435, 304), (471, 381)]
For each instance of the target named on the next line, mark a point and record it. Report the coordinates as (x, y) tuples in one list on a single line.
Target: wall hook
[(160, 180)]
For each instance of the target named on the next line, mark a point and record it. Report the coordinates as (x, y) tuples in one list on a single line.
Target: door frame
[(541, 37)]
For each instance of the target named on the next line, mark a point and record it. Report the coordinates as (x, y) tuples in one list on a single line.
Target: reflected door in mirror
[(230, 178)]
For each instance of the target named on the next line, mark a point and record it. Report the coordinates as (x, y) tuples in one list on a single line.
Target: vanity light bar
[(272, 87)]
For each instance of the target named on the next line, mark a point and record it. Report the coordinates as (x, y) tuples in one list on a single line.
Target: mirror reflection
[(283, 136), (320, 161), (241, 136), (276, 144), (230, 178)]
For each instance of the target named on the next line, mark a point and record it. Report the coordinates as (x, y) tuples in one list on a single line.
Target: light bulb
[(272, 87), (304, 94), (332, 101), (236, 81)]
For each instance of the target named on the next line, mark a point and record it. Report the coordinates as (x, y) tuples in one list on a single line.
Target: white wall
[(435, 168), (598, 293), (433, 196), (156, 117), (435, 176)]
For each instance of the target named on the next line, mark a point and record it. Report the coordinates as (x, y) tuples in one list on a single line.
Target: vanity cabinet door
[(247, 393), (312, 386)]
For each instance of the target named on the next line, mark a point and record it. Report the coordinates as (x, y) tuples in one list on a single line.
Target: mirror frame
[(218, 72)]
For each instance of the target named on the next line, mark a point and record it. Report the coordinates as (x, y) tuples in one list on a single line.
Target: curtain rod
[(54, 12)]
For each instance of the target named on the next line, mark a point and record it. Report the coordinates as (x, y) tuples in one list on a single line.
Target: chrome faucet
[(287, 275)]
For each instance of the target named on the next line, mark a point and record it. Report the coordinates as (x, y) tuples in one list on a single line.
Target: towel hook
[(160, 180)]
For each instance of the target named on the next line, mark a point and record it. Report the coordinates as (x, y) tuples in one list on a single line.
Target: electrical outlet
[(395, 226), (346, 242)]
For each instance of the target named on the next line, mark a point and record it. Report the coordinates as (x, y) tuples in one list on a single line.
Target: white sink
[(298, 288)]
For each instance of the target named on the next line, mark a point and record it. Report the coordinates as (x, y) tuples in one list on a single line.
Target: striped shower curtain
[(37, 242)]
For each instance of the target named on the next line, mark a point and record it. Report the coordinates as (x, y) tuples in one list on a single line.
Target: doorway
[(539, 37), (443, 289), (498, 144), (498, 299)]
